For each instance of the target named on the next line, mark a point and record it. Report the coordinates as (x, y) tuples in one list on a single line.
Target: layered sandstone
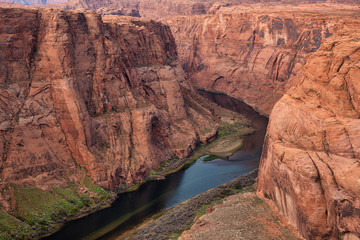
[(82, 94), (255, 52), (310, 167)]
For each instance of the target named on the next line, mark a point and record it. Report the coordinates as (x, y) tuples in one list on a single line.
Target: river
[(132, 208)]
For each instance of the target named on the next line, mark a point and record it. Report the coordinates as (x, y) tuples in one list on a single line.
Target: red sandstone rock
[(310, 167), (255, 52), (84, 94)]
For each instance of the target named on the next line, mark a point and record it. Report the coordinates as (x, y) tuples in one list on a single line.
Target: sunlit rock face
[(310, 167)]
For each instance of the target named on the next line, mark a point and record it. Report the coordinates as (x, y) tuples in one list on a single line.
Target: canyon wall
[(170, 8), (86, 95), (160, 8), (310, 167), (255, 52)]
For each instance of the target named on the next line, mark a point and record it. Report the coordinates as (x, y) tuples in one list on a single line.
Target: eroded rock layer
[(310, 168), (81, 94), (255, 52)]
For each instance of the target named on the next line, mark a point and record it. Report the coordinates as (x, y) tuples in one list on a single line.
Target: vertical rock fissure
[(351, 146)]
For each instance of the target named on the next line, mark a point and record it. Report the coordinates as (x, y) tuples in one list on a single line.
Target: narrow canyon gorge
[(97, 95)]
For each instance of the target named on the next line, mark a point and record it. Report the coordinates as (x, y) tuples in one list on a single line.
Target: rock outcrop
[(241, 216), (255, 52), (310, 167), (82, 94)]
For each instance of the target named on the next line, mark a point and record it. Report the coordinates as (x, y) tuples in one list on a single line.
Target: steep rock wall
[(310, 167), (255, 52), (81, 95)]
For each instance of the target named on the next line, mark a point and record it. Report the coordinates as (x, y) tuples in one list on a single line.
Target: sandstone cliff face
[(145, 8), (160, 8), (81, 94), (255, 52), (310, 168)]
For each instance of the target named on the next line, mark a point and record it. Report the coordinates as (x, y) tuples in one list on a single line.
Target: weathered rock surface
[(159, 8), (255, 52), (145, 8), (81, 94), (241, 216), (310, 168), (35, 2)]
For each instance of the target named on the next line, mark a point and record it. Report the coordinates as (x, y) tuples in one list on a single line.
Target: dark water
[(132, 208)]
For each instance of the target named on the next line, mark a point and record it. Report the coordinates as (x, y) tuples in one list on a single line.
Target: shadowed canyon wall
[(255, 52), (310, 167), (81, 94)]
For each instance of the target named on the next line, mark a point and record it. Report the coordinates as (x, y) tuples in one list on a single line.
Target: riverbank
[(240, 216), (229, 211), (229, 135), (171, 223), (43, 213), (184, 182), (229, 139), (74, 202)]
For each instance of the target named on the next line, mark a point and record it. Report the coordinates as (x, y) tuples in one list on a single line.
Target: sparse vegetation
[(13, 228), (171, 223), (257, 217), (228, 141), (37, 212)]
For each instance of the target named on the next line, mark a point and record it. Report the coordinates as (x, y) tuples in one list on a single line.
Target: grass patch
[(209, 158), (103, 194), (13, 228), (133, 187), (228, 141), (38, 212)]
